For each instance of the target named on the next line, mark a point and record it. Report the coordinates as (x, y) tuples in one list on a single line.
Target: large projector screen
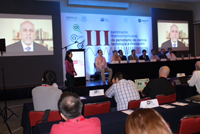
[(27, 34), (173, 34)]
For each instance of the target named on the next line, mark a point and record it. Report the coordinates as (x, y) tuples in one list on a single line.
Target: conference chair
[(37, 117), (99, 73), (136, 103), (166, 99), (96, 108), (189, 124)]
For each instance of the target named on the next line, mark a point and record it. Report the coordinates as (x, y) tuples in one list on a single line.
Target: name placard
[(149, 103), (186, 58), (115, 62), (124, 61), (163, 59), (141, 61), (132, 61), (153, 60), (97, 92), (179, 58)]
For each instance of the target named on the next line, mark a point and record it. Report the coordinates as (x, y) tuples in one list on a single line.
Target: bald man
[(173, 42), (27, 35), (195, 79), (160, 85)]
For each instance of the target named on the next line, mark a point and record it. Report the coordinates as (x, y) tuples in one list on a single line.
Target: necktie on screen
[(28, 49), (174, 45)]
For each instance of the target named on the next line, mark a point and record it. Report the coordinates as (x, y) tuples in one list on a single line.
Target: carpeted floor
[(14, 122)]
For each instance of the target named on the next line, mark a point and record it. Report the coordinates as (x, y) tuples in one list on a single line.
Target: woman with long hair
[(146, 121), (70, 71)]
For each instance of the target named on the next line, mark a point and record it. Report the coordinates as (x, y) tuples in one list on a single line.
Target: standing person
[(70, 71), (101, 66)]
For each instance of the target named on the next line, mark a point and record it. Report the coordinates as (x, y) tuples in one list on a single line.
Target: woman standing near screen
[(70, 71)]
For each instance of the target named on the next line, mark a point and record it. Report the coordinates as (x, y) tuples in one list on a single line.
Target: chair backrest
[(166, 99), (36, 116), (97, 108), (136, 103), (189, 124)]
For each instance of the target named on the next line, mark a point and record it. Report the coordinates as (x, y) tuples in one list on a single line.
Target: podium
[(79, 65)]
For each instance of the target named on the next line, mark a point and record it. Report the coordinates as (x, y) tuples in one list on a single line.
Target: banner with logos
[(106, 32)]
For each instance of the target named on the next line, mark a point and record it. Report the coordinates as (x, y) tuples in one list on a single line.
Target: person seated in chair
[(115, 57), (144, 56), (160, 85), (123, 90), (101, 66), (47, 95), (123, 57), (70, 108)]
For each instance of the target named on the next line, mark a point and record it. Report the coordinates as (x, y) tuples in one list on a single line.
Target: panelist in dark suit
[(162, 54), (173, 42), (26, 44), (144, 56), (123, 57)]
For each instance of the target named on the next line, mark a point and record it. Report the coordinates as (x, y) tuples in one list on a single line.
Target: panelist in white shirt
[(170, 55)]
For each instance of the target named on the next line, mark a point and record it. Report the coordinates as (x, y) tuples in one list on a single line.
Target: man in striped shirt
[(123, 90)]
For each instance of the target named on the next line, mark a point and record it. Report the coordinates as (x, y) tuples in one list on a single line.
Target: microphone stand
[(69, 45)]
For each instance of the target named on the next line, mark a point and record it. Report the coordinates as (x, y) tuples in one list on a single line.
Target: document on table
[(180, 103), (167, 106), (127, 111), (82, 98)]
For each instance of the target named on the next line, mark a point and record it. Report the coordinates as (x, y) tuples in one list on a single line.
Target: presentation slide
[(79, 63), (27, 35), (173, 34)]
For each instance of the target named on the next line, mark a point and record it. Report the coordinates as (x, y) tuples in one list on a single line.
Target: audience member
[(195, 79), (123, 90), (160, 85), (115, 57), (170, 55), (133, 55), (123, 57), (101, 66), (162, 54), (70, 108), (144, 56), (154, 56), (47, 95), (146, 121)]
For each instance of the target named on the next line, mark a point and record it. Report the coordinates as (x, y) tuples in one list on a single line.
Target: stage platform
[(23, 92)]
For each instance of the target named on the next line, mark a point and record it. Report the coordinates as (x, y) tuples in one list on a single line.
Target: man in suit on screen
[(26, 44), (173, 42)]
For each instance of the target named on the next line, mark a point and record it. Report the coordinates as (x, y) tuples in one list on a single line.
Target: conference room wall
[(28, 70)]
